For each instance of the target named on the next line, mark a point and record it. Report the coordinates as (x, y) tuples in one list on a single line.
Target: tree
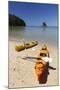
[(16, 21)]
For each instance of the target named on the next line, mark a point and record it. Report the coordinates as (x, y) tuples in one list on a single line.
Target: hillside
[(16, 21)]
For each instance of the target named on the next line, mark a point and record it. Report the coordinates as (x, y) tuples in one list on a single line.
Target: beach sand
[(21, 72)]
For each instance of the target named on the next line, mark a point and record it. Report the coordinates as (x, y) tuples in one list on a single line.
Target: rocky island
[(44, 24)]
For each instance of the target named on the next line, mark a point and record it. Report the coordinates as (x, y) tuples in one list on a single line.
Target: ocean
[(48, 35)]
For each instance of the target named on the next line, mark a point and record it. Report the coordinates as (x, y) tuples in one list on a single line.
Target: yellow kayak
[(43, 53), (26, 46)]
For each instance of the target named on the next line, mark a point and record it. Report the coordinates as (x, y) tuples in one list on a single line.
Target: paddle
[(46, 59)]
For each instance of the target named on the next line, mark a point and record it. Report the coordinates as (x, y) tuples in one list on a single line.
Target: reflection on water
[(47, 35), (16, 33)]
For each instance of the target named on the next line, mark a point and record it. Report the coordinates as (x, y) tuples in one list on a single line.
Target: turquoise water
[(48, 35)]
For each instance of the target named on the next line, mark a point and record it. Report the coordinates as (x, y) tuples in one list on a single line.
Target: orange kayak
[(41, 67)]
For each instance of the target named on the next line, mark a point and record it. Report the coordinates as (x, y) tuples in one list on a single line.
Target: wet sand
[(21, 72)]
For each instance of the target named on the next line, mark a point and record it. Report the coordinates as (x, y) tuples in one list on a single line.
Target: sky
[(34, 14)]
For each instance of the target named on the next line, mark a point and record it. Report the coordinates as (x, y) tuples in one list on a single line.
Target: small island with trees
[(16, 21), (44, 24)]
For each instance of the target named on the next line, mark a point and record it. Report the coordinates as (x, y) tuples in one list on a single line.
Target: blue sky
[(34, 14)]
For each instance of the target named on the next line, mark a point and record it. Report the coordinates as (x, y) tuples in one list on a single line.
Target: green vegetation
[(15, 21)]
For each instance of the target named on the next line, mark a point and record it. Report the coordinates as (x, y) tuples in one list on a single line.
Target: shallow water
[(48, 35)]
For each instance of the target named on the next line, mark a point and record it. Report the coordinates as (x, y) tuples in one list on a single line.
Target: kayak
[(42, 53), (41, 66), (19, 48), (31, 44), (26, 46)]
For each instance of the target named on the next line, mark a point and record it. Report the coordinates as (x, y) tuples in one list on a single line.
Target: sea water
[(47, 35)]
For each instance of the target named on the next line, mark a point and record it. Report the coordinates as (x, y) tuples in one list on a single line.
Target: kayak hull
[(26, 46), (41, 67)]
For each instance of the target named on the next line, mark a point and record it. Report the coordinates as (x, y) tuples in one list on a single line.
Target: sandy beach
[(21, 72)]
